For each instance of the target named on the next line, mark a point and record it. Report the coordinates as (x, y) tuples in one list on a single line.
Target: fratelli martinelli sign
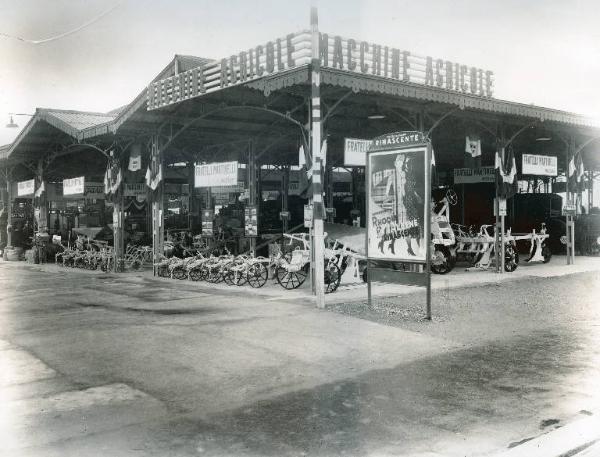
[(336, 53)]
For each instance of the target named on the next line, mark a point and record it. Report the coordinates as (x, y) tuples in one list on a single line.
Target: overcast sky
[(545, 52)]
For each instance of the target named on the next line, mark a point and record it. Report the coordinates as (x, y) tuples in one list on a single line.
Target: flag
[(434, 176), (112, 177), (473, 146), (154, 179), (301, 157), (506, 175), (135, 158), (324, 153), (576, 174), (40, 190)]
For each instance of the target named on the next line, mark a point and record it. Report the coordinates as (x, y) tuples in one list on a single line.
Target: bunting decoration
[(473, 146), (506, 175), (576, 174), (40, 190), (154, 173), (113, 177)]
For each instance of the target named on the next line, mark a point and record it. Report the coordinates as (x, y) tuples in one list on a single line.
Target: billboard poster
[(355, 152), (396, 204), (251, 221), (208, 216)]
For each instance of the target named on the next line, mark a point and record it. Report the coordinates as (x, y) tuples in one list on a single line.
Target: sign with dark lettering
[(396, 198), (539, 165), (474, 175), (337, 53), (216, 174)]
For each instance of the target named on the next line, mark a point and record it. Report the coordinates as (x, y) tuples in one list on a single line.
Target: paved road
[(119, 365)]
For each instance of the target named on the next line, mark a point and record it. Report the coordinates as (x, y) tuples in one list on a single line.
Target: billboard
[(539, 165), (396, 203), (26, 188), (74, 186), (216, 174)]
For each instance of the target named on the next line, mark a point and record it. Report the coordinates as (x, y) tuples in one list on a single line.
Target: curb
[(578, 436)]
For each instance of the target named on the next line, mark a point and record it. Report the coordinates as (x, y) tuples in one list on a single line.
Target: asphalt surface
[(95, 364)]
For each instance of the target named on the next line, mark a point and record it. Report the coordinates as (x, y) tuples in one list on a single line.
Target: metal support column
[(285, 184), (252, 187), (317, 161), (157, 210), (9, 195)]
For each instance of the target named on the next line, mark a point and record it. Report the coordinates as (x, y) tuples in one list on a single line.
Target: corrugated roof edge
[(141, 98)]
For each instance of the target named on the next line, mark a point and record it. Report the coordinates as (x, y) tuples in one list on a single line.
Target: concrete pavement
[(97, 364)]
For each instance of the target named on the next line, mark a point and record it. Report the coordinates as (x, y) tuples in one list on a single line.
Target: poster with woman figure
[(396, 210)]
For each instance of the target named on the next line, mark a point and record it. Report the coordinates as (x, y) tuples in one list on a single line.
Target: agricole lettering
[(335, 52)]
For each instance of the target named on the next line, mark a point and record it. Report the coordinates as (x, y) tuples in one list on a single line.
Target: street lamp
[(12, 124)]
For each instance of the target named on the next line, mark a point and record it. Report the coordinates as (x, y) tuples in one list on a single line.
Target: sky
[(545, 52)]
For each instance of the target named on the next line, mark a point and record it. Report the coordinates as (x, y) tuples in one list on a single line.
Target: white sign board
[(539, 165), (355, 152), (216, 174), (474, 175), (74, 186), (26, 188), (138, 191)]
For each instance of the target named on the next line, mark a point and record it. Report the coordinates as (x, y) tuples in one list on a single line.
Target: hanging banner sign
[(396, 200), (355, 152), (474, 175), (26, 188), (216, 174), (539, 165), (336, 52), (74, 186)]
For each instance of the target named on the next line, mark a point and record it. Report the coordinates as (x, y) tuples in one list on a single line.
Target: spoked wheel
[(546, 253), (178, 273), (333, 276), (197, 274), (258, 275), (511, 258), (441, 261), (214, 276), (240, 277), (291, 279)]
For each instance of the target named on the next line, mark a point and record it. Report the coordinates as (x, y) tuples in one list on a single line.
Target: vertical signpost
[(398, 182), (317, 186)]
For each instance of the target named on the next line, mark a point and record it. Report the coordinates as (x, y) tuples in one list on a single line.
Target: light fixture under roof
[(11, 124), (543, 138), (374, 117)]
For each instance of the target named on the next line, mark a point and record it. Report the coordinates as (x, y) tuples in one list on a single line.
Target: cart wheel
[(240, 278), (441, 262), (333, 276), (258, 275), (290, 279), (196, 274), (546, 253), (214, 276), (178, 273), (511, 258)]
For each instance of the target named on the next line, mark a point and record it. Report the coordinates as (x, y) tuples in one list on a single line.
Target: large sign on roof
[(337, 53)]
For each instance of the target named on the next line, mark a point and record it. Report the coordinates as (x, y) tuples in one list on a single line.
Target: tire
[(178, 273), (511, 258), (546, 253), (196, 274), (258, 275), (442, 262), (292, 279), (332, 278)]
